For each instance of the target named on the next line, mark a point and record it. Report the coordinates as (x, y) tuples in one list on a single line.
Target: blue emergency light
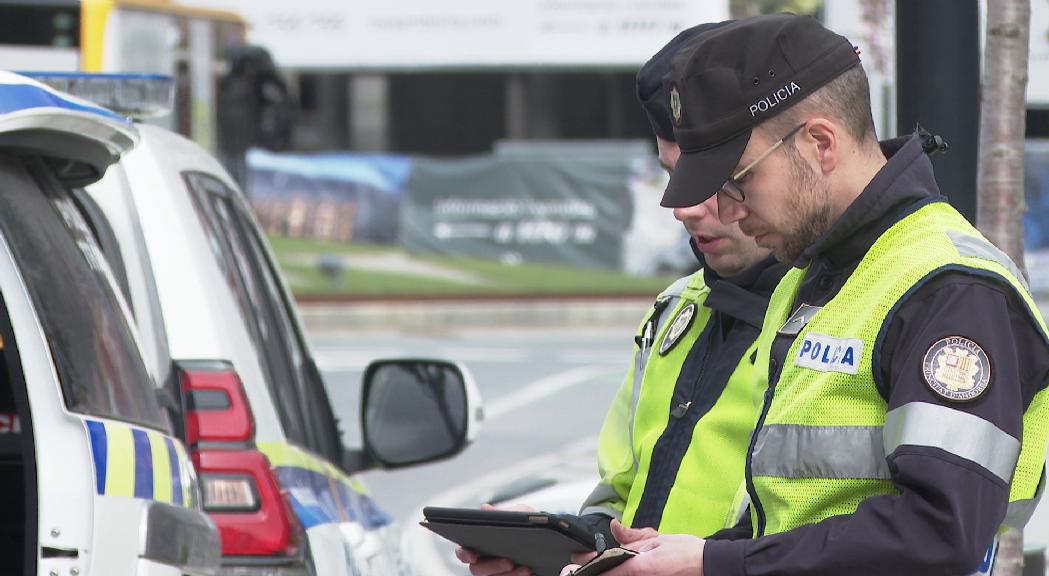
[(134, 95)]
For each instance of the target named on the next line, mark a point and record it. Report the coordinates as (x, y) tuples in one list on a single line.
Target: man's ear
[(822, 137)]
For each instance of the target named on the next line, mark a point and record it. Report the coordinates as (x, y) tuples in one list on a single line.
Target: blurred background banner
[(592, 205), (535, 205), (340, 197)]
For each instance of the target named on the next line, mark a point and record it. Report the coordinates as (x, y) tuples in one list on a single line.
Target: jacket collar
[(746, 295)]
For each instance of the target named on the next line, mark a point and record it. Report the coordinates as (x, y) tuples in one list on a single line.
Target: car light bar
[(135, 95)]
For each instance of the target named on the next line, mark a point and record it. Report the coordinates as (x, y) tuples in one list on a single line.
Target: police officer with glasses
[(904, 418)]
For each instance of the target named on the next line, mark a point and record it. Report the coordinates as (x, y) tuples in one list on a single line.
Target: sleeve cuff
[(724, 557)]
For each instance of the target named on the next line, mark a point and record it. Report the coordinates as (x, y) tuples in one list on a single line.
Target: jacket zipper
[(681, 409), (770, 392)]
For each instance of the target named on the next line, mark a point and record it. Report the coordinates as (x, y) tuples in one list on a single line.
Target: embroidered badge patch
[(957, 369), (677, 328), (830, 354), (675, 105)]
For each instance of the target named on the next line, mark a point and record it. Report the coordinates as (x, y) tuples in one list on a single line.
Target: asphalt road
[(545, 394)]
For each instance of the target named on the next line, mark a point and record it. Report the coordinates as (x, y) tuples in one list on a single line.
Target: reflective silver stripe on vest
[(980, 248), (1018, 513), (795, 451), (673, 295), (601, 493), (959, 433)]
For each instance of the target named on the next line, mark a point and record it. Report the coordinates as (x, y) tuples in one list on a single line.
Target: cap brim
[(698, 175)]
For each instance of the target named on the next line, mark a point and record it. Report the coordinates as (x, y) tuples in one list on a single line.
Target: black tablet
[(543, 542)]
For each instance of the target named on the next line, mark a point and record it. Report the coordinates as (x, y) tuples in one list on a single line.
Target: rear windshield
[(97, 359)]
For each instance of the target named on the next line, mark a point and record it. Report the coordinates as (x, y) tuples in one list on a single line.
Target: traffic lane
[(555, 390), (502, 362)]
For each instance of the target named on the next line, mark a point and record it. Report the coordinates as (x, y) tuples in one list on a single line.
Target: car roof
[(39, 119)]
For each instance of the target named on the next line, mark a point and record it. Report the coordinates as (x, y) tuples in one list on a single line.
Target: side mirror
[(416, 411)]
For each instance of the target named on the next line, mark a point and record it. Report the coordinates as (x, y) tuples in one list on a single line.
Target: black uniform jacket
[(949, 508)]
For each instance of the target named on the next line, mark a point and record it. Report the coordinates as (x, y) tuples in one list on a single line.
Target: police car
[(223, 337), (93, 480)]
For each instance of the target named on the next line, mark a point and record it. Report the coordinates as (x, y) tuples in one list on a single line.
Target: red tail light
[(239, 487), (217, 409)]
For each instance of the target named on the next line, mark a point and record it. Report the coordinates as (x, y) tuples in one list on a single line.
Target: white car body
[(182, 293), (106, 493)]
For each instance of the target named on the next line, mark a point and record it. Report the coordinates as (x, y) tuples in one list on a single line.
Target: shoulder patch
[(957, 369), (678, 327)]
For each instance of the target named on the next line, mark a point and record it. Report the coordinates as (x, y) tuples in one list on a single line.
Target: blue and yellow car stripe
[(137, 463), (319, 492)]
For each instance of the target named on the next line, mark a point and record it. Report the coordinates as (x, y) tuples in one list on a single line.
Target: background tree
[(1000, 189)]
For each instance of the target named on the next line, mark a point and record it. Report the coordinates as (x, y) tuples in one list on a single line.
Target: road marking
[(542, 388), (334, 360), (420, 546), (355, 360), (620, 358)]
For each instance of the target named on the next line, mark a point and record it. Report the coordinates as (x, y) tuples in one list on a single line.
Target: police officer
[(905, 418), (672, 446)]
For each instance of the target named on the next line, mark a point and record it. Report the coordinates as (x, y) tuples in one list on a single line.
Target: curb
[(444, 315), (451, 315)]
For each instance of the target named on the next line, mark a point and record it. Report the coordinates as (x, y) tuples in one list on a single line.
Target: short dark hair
[(847, 99)]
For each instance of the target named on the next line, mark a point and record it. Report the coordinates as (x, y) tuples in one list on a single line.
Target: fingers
[(466, 556), (498, 567), (627, 535), (569, 569), (646, 545), (583, 557), (518, 571)]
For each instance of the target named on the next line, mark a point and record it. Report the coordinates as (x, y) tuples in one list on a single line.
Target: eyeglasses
[(731, 187)]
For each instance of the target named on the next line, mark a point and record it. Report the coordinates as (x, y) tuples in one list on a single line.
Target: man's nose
[(695, 211)]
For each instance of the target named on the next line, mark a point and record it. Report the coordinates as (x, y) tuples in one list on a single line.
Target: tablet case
[(542, 542)]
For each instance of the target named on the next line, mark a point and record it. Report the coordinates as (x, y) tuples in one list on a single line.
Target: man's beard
[(810, 215)]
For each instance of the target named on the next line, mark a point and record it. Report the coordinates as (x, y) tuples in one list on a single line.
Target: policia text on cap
[(904, 418)]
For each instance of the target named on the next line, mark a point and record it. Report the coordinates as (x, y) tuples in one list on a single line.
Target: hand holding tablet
[(543, 542)]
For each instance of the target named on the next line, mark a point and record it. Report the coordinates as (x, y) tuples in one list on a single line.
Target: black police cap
[(650, 91), (734, 78)]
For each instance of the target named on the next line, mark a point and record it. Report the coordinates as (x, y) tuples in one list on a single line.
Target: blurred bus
[(141, 36)]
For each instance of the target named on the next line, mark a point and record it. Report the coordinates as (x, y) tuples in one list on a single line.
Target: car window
[(283, 341), (135, 270), (322, 434), (104, 236), (98, 361), (237, 259)]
